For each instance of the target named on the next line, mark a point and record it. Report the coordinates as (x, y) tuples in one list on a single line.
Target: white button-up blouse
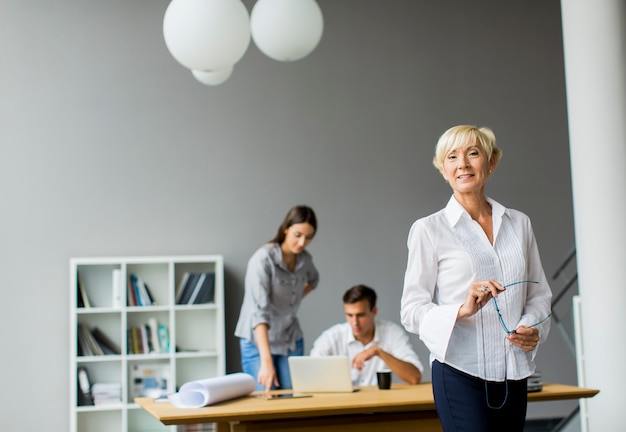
[(447, 251)]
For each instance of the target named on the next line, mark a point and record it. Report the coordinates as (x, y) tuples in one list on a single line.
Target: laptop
[(320, 374)]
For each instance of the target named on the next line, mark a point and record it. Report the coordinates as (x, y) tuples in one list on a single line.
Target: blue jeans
[(251, 362)]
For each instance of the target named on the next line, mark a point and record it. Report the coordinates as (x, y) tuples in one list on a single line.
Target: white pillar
[(594, 37)]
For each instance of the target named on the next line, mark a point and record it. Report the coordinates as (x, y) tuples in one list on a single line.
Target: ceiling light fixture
[(210, 36)]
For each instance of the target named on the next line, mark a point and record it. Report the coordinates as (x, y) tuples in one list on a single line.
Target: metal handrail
[(565, 263), (568, 285)]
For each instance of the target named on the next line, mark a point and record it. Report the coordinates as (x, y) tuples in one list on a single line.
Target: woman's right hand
[(267, 376), (478, 294)]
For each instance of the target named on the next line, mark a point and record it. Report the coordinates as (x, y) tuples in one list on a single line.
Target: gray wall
[(109, 147)]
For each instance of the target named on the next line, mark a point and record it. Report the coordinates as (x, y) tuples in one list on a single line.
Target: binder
[(196, 290), (207, 292), (84, 387)]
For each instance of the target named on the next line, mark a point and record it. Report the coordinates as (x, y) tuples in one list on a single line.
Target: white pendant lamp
[(207, 35), (213, 78), (210, 36), (286, 30)]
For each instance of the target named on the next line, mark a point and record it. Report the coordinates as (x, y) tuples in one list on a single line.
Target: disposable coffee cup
[(384, 379)]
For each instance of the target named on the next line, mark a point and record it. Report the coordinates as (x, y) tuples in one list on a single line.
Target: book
[(135, 340), (83, 300), (132, 294), (129, 341), (116, 301), (80, 303), (534, 382), (84, 387), (139, 298), (153, 326), (207, 291), (164, 339), (149, 296), (87, 342), (196, 288), (144, 337), (83, 346), (143, 293), (189, 287), (108, 346), (181, 287)]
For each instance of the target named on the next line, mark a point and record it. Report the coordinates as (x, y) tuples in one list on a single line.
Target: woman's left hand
[(524, 337)]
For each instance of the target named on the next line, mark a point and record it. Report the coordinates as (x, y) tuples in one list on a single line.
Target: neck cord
[(506, 382)]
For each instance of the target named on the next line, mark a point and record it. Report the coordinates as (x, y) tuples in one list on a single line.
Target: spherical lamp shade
[(213, 78), (286, 30), (206, 34)]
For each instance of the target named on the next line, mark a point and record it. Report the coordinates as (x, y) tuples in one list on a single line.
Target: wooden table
[(403, 407)]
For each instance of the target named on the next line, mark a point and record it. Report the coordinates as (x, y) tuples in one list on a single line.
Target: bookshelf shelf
[(161, 342)]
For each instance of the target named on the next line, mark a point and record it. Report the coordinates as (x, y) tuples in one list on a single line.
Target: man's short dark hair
[(358, 293)]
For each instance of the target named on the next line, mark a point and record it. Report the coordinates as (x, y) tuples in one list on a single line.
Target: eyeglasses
[(508, 332), (506, 329)]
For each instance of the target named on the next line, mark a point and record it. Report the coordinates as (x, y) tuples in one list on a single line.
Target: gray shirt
[(273, 295)]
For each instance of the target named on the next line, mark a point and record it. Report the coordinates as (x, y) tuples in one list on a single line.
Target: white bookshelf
[(196, 334)]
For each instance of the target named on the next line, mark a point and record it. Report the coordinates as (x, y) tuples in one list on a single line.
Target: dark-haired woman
[(279, 275)]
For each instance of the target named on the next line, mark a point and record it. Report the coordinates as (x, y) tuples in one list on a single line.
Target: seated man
[(370, 344)]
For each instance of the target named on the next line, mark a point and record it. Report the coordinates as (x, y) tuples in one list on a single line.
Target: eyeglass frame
[(495, 303)]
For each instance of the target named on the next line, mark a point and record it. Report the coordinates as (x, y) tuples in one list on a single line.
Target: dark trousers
[(468, 404)]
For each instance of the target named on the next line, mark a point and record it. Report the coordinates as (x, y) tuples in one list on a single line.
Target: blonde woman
[(475, 292)]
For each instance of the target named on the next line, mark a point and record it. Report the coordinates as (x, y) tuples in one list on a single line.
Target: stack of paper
[(106, 393)]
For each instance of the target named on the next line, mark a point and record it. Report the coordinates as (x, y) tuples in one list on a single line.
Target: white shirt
[(389, 336), (447, 252)]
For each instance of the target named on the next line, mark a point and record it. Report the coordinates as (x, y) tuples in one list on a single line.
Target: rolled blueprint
[(200, 393)]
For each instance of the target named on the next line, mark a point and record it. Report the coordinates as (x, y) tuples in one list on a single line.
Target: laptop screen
[(320, 374)]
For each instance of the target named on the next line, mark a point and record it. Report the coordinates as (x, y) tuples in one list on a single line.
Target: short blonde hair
[(459, 135)]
